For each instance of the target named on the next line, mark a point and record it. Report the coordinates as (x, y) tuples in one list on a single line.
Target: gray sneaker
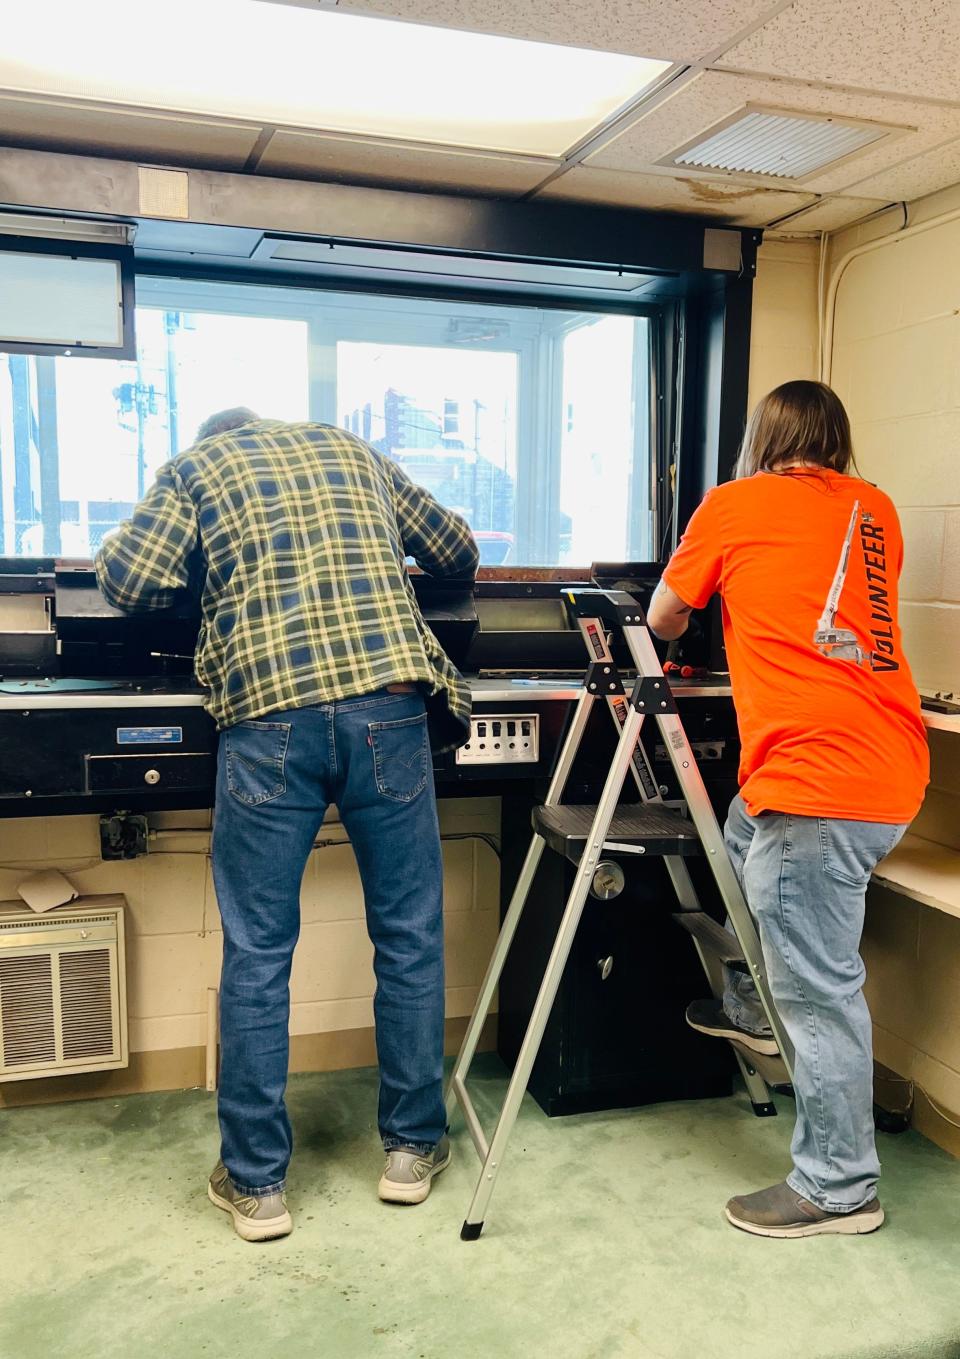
[(408, 1173), (781, 1211), (707, 1016), (255, 1219)]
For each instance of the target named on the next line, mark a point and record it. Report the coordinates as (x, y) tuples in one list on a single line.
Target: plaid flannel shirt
[(295, 536)]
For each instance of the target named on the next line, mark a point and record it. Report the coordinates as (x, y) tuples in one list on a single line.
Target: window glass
[(533, 423), (598, 452), (449, 419)]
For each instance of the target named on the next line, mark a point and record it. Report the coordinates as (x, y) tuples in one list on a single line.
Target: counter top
[(28, 695), (31, 695)]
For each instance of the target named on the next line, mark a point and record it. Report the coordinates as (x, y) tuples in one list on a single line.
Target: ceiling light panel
[(321, 70), (779, 145)]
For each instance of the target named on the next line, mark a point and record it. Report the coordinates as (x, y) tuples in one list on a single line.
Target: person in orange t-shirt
[(834, 763)]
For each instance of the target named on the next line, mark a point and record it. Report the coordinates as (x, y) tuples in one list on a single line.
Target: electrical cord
[(21, 865), (913, 1087), (489, 840)]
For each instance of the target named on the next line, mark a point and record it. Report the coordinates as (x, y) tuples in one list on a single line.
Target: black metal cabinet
[(100, 759), (616, 1035)]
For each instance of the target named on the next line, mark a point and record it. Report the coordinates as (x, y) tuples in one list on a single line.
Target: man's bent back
[(302, 531)]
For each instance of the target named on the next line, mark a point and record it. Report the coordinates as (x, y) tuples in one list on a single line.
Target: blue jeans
[(275, 779), (805, 880)]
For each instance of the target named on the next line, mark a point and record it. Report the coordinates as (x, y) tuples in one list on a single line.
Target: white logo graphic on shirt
[(841, 644)]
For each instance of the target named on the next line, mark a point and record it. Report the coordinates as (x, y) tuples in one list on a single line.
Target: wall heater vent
[(62, 990)]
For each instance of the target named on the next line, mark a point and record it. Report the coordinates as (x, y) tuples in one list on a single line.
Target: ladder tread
[(656, 829), (714, 938)]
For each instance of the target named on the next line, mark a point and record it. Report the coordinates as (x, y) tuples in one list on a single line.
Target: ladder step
[(714, 938), (646, 828)]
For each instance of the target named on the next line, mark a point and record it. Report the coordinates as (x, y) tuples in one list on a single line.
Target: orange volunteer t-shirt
[(806, 564)]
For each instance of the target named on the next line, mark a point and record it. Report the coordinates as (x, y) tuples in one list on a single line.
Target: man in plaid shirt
[(321, 674)]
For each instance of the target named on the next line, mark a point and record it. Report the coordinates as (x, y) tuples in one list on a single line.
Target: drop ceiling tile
[(359, 160), (103, 130), (939, 169), (649, 28), (902, 46), (737, 204), (714, 96), (830, 214)]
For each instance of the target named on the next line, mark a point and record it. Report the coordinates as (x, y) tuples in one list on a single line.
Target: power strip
[(502, 738)]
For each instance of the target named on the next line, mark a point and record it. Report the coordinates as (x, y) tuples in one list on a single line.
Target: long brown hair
[(800, 422)]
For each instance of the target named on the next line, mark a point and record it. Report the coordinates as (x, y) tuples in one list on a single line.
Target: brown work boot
[(781, 1211)]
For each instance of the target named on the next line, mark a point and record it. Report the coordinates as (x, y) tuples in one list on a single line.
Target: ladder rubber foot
[(785, 1089), (470, 1231), (767, 1110)]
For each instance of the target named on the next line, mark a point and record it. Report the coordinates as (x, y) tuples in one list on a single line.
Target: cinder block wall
[(896, 364), (174, 941)]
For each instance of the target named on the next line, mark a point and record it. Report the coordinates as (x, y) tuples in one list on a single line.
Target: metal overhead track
[(560, 233)]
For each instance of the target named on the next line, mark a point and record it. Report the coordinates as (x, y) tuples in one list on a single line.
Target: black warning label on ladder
[(597, 642), (647, 782)]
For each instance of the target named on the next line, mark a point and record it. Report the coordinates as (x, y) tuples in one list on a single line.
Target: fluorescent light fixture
[(319, 70), (778, 143), (65, 228)]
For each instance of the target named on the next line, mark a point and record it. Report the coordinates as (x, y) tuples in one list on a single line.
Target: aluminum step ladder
[(585, 834)]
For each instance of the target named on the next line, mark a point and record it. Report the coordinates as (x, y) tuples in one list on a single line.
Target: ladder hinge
[(615, 607), (652, 695), (603, 678)]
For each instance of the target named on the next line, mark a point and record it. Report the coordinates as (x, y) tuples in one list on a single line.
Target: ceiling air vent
[(778, 144)]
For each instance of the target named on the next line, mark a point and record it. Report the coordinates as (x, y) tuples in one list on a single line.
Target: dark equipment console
[(100, 712)]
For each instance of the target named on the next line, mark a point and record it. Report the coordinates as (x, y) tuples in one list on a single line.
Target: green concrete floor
[(605, 1241)]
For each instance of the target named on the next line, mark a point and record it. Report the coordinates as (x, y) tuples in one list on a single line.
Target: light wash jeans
[(275, 778), (805, 880)]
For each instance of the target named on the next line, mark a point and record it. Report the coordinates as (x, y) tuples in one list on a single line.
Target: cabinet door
[(632, 974)]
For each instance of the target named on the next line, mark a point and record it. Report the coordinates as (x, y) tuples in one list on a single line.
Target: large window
[(533, 423)]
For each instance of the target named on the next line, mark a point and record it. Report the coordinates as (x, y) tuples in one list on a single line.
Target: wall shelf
[(925, 871), (941, 721)]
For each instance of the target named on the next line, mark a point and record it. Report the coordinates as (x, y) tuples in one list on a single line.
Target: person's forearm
[(670, 627), (668, 616), (128, 591), (452, 560)]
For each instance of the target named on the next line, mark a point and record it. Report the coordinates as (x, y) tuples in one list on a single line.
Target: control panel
[(702, 750), (502, 738)]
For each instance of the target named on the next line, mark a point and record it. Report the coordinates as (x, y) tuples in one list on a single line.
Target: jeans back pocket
[(851, 850), (256, 759), (401, 754)]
